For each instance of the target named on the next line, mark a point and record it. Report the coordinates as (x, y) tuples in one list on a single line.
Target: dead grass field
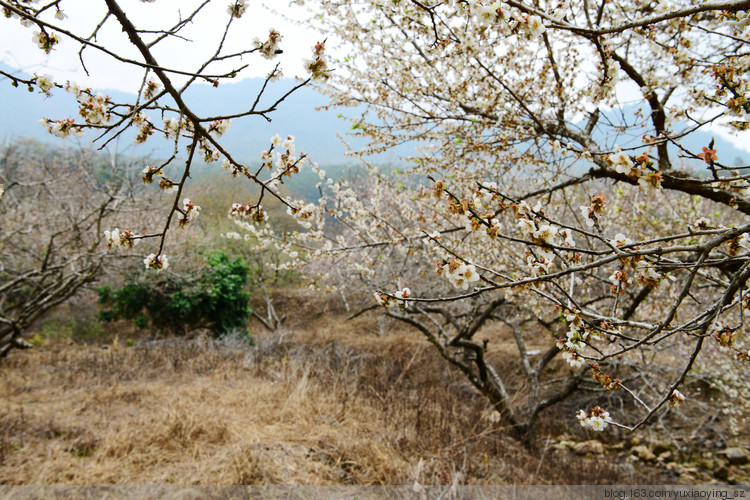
[(323, 402)]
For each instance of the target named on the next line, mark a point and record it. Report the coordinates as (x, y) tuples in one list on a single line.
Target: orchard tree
[(55, 205), (556, 186)]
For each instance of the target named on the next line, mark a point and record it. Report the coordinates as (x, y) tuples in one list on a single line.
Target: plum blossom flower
[(702, 223), (650, 181), (534, 26), (270, 48), (404, 293), (621, 161), (724, 335), (189, 213), (619, 278), (288, 144), (45, 83), (120, 239), (527, 227), (708, 155), (597, 419), (486, 15), (494, 230), (573, 359), (546, 234), (45, 41), (158, 262), (676, 398), (647, 275), (460, 274), (620, 240), (237, 8)]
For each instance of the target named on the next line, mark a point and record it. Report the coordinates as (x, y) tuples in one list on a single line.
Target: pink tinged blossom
[(708, 155)]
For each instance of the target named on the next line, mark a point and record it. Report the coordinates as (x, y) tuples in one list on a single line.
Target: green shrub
[(215, 297)]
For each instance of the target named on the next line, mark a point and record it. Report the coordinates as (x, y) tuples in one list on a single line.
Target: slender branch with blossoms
[(157, 94)]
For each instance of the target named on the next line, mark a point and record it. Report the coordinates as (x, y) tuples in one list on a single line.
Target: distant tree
[(54, 207)]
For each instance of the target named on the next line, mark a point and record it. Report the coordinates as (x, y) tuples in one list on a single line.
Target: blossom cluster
[(644, 271), (596, 419), (459, 273), (318, 67), (638, 168), (166, 184), (219, 127), (605, 379), (188, 213), (145, 127), (158, 262), (62, 128), (302, 213), (247, 211), (534, 226), (94, 109), (724, 334), (173, 127), (577, 336), (593, 212), (397, 299), (120, 239), (270, 48), (45, 41), (486, 15), (237, 8)]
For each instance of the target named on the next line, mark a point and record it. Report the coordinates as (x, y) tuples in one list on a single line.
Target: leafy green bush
[(215, 297)]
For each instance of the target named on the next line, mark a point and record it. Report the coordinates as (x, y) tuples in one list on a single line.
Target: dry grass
[(323, 404)]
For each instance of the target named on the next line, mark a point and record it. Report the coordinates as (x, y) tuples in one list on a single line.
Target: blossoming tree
[(557, 187)]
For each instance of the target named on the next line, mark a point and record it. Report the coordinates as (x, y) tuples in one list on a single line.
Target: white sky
[(18, 50)]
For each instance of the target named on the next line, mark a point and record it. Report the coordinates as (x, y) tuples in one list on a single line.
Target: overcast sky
[(18, 50)]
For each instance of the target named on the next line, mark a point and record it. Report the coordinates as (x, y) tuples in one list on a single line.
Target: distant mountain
[(316, 132)]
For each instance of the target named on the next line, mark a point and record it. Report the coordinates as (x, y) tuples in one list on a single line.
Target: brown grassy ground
[(326, 402)]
